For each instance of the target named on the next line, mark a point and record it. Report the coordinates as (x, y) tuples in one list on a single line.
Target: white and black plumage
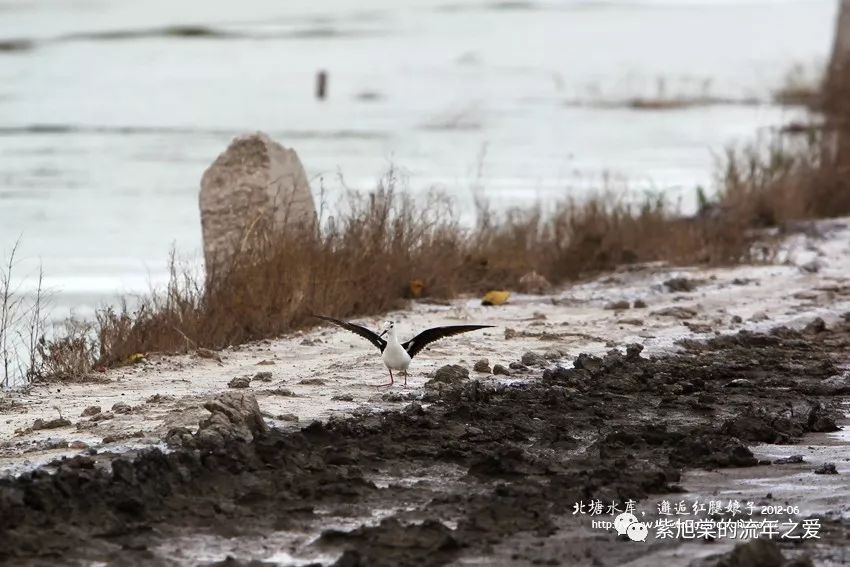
[(396, 355)]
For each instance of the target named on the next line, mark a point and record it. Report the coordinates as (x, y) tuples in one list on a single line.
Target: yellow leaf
[(495, 297), (135, 358)]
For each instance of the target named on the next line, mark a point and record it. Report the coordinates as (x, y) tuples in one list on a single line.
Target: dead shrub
[(71, 355)]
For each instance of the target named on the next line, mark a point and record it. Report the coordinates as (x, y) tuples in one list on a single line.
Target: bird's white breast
[(395, 357)]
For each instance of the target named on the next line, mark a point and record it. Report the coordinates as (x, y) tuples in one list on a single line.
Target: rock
[(207, 353), (617, 305), (121, 407), (255, 179), (312, 382), (90, 411), (240, 382), (755, 553), (234, 415), (533, 359), (343, 398), (501, 370), (639, 304), (263, 376), (288, 417), (510, 333), (677, 312), (518, 366), (266, 363), (533, 282), (759, 316), (816, 326), (631, 321), (78, 445), (482, 365), (826, 468), (793, 459), (449, 374), (737, 320), (681, 284), (50, 423)]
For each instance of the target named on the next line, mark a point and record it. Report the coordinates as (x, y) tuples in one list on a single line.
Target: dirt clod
[(534, 359), (793, 459), (682, 284), (90, 411), (50, 423), (240, 382), (265, 376), (450, 374), (676, 311), (234, 416), (498, 369), (826, 468)]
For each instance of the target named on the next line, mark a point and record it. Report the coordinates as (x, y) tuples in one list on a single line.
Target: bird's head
[(389, 327)]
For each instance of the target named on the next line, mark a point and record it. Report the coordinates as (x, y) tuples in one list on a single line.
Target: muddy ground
[(472, 473)]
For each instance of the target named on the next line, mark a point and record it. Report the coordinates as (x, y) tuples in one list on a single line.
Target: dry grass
[(788, 180), (363, 261), (804, 175)]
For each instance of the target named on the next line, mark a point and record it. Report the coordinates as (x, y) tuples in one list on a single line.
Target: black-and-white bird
[(396, 355)]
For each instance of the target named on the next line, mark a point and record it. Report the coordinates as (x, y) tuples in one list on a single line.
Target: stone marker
[(255, 184)]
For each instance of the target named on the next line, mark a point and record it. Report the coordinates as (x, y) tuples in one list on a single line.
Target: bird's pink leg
[(391, 379), (405, 378)]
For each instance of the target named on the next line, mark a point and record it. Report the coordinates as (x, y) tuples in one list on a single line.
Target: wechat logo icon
[(628, 525)]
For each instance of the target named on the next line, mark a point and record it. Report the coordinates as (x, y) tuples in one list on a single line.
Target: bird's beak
[(384, 332)]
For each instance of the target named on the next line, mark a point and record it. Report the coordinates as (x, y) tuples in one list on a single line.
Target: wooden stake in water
[(321, 84)]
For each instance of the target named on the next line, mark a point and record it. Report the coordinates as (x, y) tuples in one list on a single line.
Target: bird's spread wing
[(428, 336), (370, 336)]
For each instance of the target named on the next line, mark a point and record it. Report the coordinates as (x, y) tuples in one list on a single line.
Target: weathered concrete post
[(255, 183)]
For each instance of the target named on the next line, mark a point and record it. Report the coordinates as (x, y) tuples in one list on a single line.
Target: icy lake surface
[(109, 113)]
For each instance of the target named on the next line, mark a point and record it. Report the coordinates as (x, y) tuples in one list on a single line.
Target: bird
[(396, 355)]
